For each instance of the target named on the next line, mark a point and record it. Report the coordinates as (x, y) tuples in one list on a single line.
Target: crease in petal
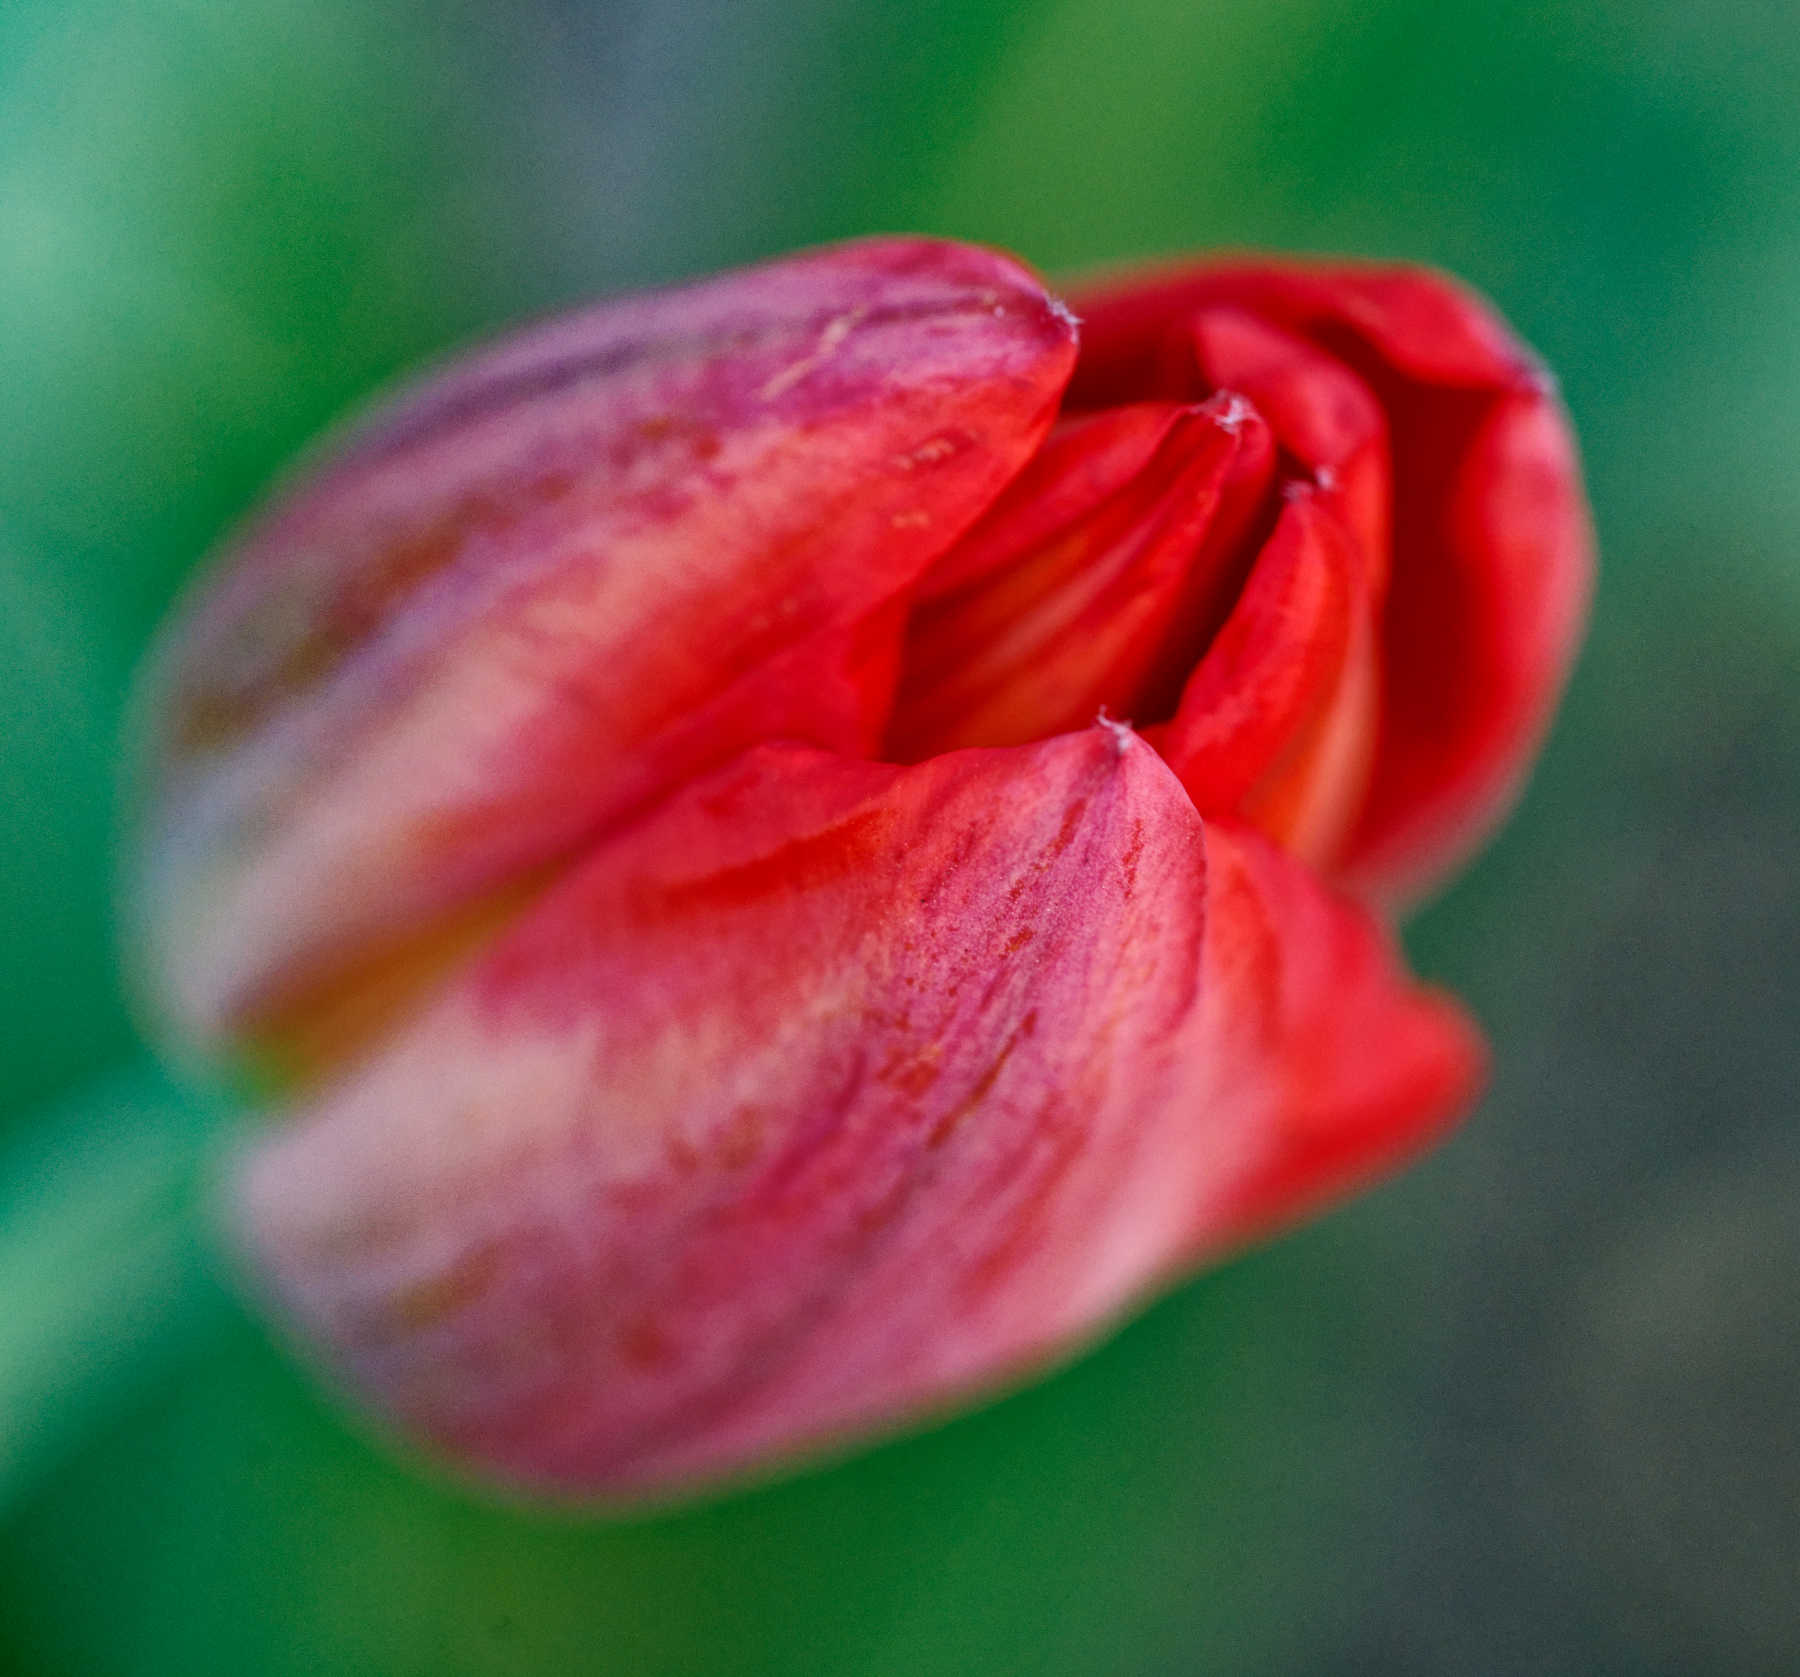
[(1092, 583), (1492, 549), (1319, 410), (442, 662), (1277, 723)]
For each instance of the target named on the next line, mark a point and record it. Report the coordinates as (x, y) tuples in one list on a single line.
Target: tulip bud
[(780, 846)]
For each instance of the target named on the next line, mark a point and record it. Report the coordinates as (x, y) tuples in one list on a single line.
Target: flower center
[(1097, 580)]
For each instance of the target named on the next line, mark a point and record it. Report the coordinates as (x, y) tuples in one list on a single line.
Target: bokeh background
[(1531, 1409)]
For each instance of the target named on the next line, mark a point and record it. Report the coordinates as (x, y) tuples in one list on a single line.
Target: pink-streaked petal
[(560, 580), (810, 1101), (827, 1094)]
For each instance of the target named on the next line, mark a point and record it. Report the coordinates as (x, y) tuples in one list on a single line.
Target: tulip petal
[(1492, 549), (1277, 722), (791, 1109), (1094, 582), (828, 1092), (443, 663), (1415, 323), (1319, 410), (1466, 709), (1080, 468), (1309, 1012)]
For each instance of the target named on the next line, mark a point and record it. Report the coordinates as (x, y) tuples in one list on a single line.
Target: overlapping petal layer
[(1481, 606), (554, 584), (828, 1092), (1096, 580), (642, 795)]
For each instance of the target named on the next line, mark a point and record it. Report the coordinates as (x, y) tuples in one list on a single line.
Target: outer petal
[(1466, 709), (1342, 1067), (1492, 559), (1419, 325), (830, 1090), (445, 661)]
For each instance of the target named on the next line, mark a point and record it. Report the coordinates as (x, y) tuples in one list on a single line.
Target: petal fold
[(1319, 410), (1492, 550), (1094, 582), (1278, 721)]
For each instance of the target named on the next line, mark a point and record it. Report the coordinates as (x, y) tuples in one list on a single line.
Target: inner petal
[(1321, 412), (1277, 723), (1492, 548), (1097, 579)]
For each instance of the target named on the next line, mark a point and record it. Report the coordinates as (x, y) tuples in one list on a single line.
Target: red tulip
[(785, 844)]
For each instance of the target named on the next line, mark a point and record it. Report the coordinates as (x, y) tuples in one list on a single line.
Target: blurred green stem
[(105, 1273)]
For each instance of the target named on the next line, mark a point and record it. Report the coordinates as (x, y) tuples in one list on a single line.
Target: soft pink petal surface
[(828, 1092), (561, 580)]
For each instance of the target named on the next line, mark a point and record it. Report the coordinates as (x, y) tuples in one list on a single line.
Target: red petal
[(1492, 556), (1420, 325), (829, 1091), (1277, 722), (1080, 467), (563, 578), (1320, 411), (1093, 582), (806, 1102), (1478, 647), (1309, 1013)]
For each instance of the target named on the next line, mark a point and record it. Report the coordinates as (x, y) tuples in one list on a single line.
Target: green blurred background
[(1531, 1409)]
